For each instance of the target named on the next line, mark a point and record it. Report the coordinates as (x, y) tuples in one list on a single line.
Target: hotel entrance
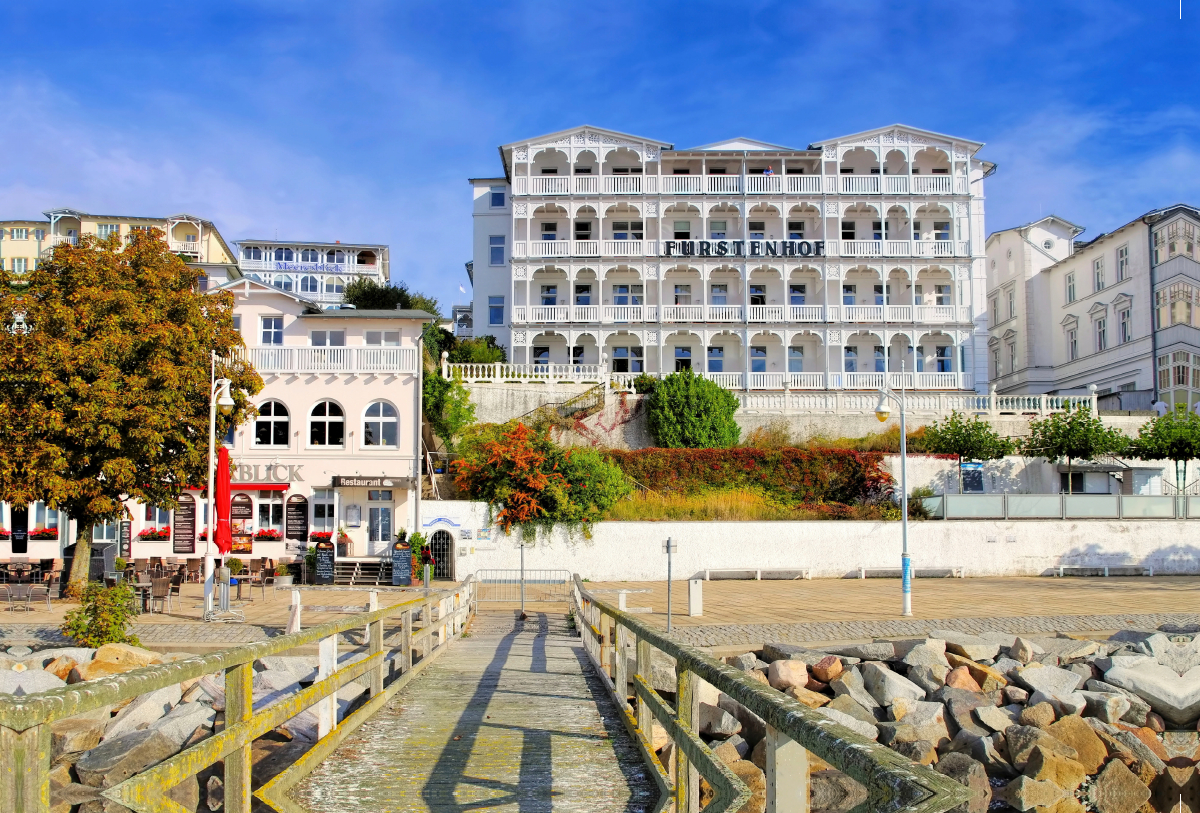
[(379, 521)]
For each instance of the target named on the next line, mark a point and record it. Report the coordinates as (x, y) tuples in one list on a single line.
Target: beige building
[(197, 241), (1119, 311)]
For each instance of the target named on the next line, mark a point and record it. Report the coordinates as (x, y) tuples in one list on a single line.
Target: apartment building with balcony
[(1121, 311), (763, 266), (318, 272), (24, 242)]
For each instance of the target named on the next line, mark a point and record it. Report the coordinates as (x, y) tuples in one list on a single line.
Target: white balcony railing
[(585, 248), (623, 313), (895, 184), (577, 373), (935, 313), (804, 184), (806, 381), (625, 248), (585, 313), (896, 248), (723, 184), (682, 313), (862, 248), (937, 381), (764, 184), (899, 313), (766, 381), (549, 248), (862, 313), (549, 185), (389, 360), (931, 184), (862, 381), (622, 184), (185, 247), (681, 184), (730, 381), (807, 313), (585, 184), (548, 313), (933, 248), (519, 316), (724, 313), (860, 184), (766, 313)]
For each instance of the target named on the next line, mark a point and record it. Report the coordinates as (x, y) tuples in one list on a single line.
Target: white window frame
[(383, 421), (273, 331), (493, 192), (1122, 263), (1124, 325), (272, 420), (327, 420), (496, 249), (1098, 274), (1070, 287)]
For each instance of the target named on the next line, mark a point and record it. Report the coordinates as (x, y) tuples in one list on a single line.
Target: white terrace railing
[(736, 184), (348, 360), (502, 373)]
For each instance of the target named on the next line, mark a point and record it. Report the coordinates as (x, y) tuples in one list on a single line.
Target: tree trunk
[(81, 564), (1070, 479), (960, 475)]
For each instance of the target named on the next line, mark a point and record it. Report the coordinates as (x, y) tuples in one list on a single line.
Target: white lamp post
[(218, 398), (883, 411)]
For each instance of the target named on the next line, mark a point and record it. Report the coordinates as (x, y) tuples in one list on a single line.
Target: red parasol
[(224, 535)]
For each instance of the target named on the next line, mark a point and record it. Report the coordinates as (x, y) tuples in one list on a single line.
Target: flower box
[(44, 533), (162, 534), (5, 533), (268, 535), (320, 536)]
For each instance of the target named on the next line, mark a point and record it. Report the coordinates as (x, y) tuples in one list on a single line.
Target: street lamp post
[(218, 398), (883, 412)]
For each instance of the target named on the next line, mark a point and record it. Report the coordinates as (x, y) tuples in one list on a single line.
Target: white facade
[(1118, 312), (319, 272), (335, 444), (765, 267)]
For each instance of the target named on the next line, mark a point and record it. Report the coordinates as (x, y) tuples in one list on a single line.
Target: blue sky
[(361, 121)]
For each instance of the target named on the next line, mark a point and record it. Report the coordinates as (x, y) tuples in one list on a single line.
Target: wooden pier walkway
[(509, 719)]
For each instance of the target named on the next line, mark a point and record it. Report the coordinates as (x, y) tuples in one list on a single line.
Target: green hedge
[(792, 476)]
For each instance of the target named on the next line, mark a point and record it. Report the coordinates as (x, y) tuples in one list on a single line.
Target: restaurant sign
[(268, 473), (744, 248), (382, 481)]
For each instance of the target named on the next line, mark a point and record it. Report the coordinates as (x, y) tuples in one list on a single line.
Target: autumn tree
[(104, 380), (967, 438), (1074, 434)]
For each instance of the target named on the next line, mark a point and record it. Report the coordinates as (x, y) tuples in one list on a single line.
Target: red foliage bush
[(792, 476)]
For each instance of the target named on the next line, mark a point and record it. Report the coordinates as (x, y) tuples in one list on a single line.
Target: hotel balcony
[(585, 249), (286, 360), (738, 314), (188, 247), (634, 184)]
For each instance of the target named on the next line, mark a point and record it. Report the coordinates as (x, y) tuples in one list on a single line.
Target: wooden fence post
[(239, 707), (25, 769), (687, 778), (787, 774), (406, 641), (293, 624), (375, 643), (326, 666)]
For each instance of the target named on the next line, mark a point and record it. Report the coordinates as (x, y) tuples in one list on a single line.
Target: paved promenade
[(507, 720)]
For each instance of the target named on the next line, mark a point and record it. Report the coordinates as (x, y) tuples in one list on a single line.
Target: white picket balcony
[(185, 247), (627, 248), (722, 184), (681, 184), (541, 249), (724, 313), (622, 184), (548, 313), (932, 184), (585, 184), (898, 248), (766, 313), (766, 381), (862, 313), (624, 313), (683, 313), (549, 185), (349, 360), (807, 313), (764, 184), (933, 248), (505, 373), (862, 248), (806, 381), (585, 248), (585, 313), (730, 381), (860, 184), (804, 184)]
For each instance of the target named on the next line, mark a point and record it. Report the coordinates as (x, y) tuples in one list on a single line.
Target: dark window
[(627, 360), (683, 358), (380, 425), (541, 355), (847, 229), (716, 359), (758, 359), (328, 425), (271, 425), (758, 294)]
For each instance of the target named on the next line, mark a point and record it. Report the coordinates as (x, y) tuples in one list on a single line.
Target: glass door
[(379, 522)]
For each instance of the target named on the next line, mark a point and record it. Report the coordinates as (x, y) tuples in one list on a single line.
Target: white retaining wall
[(497, 403), (632, 551)]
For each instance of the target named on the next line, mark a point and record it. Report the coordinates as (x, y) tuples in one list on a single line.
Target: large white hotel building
[(765, 267)]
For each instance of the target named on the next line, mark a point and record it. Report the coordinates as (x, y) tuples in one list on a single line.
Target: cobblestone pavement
[(756, 634)]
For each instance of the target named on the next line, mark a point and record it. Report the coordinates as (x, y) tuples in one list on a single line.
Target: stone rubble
[(1031, 722)]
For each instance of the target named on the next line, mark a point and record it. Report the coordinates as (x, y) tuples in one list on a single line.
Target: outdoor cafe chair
[(160, 591), (37, 592), (18, 596), (194, 567)]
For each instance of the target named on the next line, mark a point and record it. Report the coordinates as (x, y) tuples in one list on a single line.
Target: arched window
[(379, 425), (310, 284), (336, 257), (284, 255), (327, 426), (252, 253), (334, 285), (271, 426), (310, 255), (283, 282)]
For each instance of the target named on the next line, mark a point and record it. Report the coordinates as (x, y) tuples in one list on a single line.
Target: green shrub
[(104, 616), (119, 564), (235, 565), (447, 406), (645, 384), (687, 411), (478, 350)]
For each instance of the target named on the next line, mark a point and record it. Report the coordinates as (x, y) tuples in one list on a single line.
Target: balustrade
[(518, 373), (766, 313), (585, 313), (806, 381), (895, 184), (681, 184), (899, 313), (862, 381), (860, 184), (623, 313), (931, 184), (683, 313), (764, 184), (540, 249), (724, 313), (862, 313), (804, 184), (807, 313), (585, 184), (734, 184), (730, 381), (626, 248), (548, 185), (862, 248), (723, 184), (623, 184), (585, 248), (766, 381), (297, 360), (933, 248), (548, 313)]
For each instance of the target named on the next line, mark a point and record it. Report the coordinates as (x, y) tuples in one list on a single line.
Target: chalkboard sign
[(241, 512), (295, 519), (20, 530), (183, 528), (401, 564), (324, 574), (126, 540)]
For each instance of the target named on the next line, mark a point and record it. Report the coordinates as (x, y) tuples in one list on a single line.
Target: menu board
[(20, 530), (126, 540), (183, 527), (401, 564), (295, 518), (241, 514), (324, 574)]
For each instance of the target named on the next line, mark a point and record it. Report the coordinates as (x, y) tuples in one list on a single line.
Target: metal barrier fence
[(893, 783), (25, 722), (1062, 506), (540, 585)]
